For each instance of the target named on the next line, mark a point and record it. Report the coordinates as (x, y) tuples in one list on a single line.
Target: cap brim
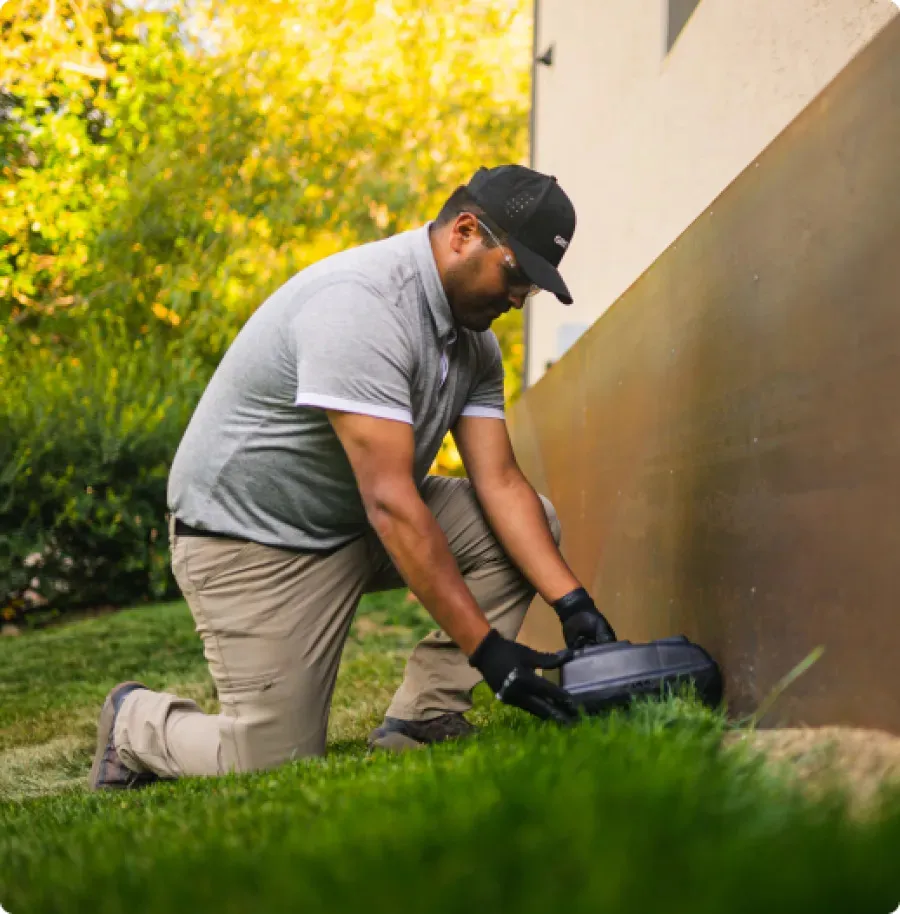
[(540, 271)]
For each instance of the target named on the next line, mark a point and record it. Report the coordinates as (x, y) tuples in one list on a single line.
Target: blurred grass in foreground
[(639, 811)]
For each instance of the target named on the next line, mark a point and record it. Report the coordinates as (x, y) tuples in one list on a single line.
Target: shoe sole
[(104, 733), (396, 742)]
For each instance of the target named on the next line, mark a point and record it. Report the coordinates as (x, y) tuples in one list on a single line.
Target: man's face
[(478, 280)]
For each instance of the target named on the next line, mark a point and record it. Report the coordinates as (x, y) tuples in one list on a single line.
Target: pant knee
[(552, 519), (267, 738)]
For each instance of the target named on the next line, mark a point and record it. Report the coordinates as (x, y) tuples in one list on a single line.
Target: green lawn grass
[(641, 811)]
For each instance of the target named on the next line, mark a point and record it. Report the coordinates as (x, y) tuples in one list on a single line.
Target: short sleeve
[(486, 396), (353, 353)]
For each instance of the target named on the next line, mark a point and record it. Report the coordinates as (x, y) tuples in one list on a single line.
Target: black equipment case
[(610, 675)]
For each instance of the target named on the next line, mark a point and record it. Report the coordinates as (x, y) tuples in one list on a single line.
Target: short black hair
[(461, 201)]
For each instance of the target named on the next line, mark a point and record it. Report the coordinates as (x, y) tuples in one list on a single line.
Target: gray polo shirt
[(365, 331)]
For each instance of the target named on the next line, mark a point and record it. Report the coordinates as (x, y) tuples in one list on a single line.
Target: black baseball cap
[(537, 216)]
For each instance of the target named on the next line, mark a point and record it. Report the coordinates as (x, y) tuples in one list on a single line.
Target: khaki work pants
[(273, 624)]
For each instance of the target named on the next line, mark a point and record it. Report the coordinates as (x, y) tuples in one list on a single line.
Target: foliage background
[(161, 172)]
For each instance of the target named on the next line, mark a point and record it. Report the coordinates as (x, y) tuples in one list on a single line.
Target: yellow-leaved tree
[(167, 169)]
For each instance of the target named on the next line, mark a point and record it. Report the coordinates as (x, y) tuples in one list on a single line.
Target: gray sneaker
[(398, 735), (108, 771)]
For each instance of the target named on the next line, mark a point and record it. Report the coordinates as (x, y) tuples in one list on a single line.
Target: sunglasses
[(515, 275)]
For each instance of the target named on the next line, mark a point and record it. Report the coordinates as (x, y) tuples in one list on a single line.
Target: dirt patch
[(820, 758)]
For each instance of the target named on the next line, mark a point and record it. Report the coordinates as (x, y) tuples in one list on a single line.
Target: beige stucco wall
[(643, 141)]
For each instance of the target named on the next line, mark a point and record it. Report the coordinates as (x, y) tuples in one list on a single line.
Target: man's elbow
[(388, 502), (506, 479)]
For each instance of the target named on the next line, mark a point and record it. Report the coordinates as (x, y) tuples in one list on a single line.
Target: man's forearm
[(518, 520), (419, 549)]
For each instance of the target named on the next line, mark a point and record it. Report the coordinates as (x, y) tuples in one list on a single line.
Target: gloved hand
[(583, 624), (509, 669)]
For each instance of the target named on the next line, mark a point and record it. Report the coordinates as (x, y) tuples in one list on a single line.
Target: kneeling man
[(302, 483)]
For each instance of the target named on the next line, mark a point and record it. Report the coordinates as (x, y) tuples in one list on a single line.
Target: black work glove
[(509, 669), (583, 624)]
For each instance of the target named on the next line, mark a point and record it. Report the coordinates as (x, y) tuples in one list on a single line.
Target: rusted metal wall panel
[(723, 446)]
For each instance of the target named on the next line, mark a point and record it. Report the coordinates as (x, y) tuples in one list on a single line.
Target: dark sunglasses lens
[(517, 278)]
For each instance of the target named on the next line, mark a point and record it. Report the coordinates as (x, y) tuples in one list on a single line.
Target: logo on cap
[(561, 241)]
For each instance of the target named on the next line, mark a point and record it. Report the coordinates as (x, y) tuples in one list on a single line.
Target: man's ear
[(463, 231)]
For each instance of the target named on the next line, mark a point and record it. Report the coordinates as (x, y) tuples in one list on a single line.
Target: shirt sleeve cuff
[(340, 404), (483, 412)]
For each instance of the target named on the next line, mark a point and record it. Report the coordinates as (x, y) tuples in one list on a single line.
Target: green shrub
[(86, 440)]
